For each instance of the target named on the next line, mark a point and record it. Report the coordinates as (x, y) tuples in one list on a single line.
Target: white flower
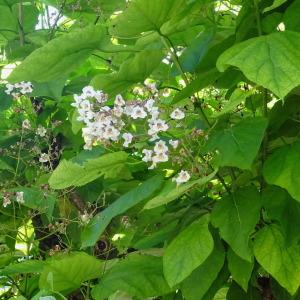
[(85, 105), (166, 92), (20, 197), (26, 124), (160, 147), (117, 111), (182, 177), (6, 201), (160, 157), (88, 143), (9, 88), (138, 112), (154, 112), (44, 158), (174, 143), (151, 87), (78, 100), (41, 131), (119, 101), (100, 97), (128, 110), (127, 139), (110, 132), (157, 126), (26, 87), (85, 218), (85, 115), (152, 166), (88, 91), (105, 109), (147, 155), (149, 104), (177, 114)]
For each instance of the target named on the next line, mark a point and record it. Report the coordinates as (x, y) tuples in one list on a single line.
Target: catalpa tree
[(150, 149)]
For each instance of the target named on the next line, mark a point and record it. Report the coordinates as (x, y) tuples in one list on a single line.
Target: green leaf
[(138, 275), (5, 166), (195, 240), (25, 267), (240, 269), (237, 146), (133, 70), (70, 271), (204, 275), (8, 22), (97, 225), (194, 53), (52, 89), (70, 173), (142, 16), (60, 56), (171, 192), (290, 17), (267, 60), (282, 262), (279, 205), (282, 168), (236, 216)]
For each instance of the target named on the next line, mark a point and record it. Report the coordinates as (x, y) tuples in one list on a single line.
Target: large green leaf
[(138, 275), (236, 216), (240, 269), (238, 145), (25, 267), (8, 22), (70, 173), (278, 205), (282, 168), (68, 272), (171, 192), (290, 17), (97, 225), (269, 60), (133, 70), (197, 284), (282, 262), (145, 15), (59, 56), (196, 240)]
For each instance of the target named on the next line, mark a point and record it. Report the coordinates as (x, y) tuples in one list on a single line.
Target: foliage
[(149, 149)]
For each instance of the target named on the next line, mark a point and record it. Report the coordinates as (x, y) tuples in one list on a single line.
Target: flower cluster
[(18, 89), (19, 196), (110, 122)]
